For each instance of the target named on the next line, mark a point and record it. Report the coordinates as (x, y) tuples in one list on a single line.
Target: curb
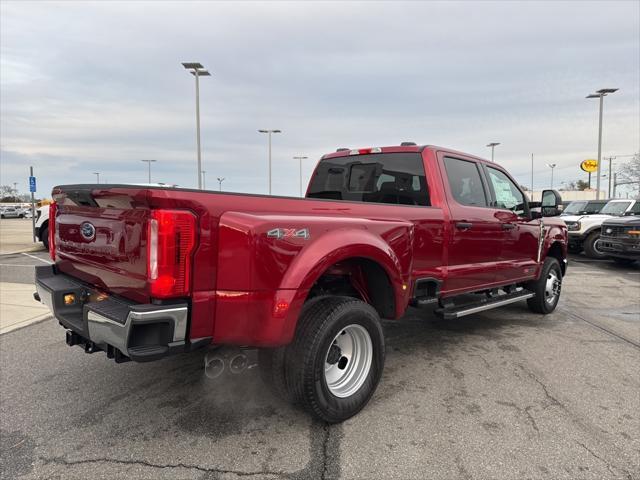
[(33, 248), (25, 323)]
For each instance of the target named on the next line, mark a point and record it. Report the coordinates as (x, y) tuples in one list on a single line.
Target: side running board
[(451, 313)]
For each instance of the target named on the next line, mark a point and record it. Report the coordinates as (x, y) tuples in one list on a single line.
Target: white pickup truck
[(584, 230)]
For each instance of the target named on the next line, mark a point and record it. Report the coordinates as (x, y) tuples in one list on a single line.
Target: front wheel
[(547, 288), (336, 360), (592, 248)]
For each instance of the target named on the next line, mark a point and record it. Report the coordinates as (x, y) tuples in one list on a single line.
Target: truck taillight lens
[(171, 239), (53, 208)]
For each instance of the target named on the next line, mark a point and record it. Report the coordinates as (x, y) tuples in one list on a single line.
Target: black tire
[(272, 361), (44, 236), (623, 262), (317, 328), (590, 248), (540, 303)]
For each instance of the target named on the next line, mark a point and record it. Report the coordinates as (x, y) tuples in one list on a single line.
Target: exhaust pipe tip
[(213, 366), (238, 363)]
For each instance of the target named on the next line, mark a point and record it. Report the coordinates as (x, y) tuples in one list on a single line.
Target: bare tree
[(629, 173)]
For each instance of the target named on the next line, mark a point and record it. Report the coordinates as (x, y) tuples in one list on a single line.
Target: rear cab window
[(392, 178)]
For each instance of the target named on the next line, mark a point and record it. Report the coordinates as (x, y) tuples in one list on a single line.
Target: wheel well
[(555, 251), (361, 278)]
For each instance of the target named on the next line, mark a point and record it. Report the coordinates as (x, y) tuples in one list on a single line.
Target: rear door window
[(395, 178), (465, 182)]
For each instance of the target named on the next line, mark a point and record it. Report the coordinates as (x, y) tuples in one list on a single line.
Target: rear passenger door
[(521, 235), (476, 234)]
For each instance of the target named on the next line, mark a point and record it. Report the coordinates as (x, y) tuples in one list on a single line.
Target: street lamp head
[(493, 144), (200, 73), (551, 165), (269, 131), (604, 91), (593, 95), (192, 65), (263, 131), (148, 160), (276, 131)]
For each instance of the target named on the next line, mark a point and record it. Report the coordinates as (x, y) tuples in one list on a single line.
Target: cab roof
[(345, 152)]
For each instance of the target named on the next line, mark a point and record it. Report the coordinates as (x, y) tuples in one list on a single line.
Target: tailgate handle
[(464, 225)]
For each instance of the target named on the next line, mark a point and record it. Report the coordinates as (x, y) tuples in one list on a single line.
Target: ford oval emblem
[(88, 231)]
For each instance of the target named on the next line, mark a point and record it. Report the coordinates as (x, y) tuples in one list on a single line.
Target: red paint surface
[(241, 279)]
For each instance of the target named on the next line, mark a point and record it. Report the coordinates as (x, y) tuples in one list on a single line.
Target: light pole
[(269, 132), (97, 174), (149, 162), (551, 166), (197, 70), (204, 178), (300, 158), (220, 180), (493, 145), (600, 94)]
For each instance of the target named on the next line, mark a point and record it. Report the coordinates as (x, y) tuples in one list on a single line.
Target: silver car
[(12, 212)]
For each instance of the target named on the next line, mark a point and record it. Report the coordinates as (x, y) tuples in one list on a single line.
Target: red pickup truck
[(144, 272)]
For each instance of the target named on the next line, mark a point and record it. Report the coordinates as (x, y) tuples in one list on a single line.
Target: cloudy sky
[(98, 86)]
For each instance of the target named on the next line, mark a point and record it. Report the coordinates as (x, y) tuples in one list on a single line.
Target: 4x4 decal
[(280, 233)]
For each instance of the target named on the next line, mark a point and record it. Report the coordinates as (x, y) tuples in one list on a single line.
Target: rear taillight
[(53, 208), (171, 239)]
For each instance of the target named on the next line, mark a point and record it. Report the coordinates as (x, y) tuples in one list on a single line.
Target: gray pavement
[(505, 394)]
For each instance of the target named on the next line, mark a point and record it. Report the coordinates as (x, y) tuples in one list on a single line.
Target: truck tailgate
[(102, 241)]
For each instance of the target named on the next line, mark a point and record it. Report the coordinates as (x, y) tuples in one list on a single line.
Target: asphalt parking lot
[(505, 394)]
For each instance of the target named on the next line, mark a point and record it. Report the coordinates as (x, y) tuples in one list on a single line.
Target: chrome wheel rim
[(348, 361), (596, 247), (552, 287)]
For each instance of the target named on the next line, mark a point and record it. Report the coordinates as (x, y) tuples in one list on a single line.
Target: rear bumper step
[(123, 329), (451, 313)]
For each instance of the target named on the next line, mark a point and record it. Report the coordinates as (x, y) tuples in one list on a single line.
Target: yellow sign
[(589, 166)]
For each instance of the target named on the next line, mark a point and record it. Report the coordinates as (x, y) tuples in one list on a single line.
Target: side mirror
[(551, 203)]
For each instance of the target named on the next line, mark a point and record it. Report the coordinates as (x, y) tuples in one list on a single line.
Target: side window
[(508, 196), (465, 182), (635, 210)]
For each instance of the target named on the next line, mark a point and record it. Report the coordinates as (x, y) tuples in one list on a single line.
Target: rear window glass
[(395, 178)]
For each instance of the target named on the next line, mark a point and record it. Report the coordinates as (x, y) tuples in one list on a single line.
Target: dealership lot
[(503, 394)]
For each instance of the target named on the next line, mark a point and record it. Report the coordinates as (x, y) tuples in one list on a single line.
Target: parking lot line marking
[(38, 258), (604, 329), (15, 265)]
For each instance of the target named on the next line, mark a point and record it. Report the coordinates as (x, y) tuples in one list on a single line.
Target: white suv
[(42, 225), (584, 230)]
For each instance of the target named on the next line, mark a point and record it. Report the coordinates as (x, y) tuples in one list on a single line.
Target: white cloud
[(99, 86)]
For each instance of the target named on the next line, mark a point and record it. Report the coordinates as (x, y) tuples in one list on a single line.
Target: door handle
[(508, 226), (464, 225)]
